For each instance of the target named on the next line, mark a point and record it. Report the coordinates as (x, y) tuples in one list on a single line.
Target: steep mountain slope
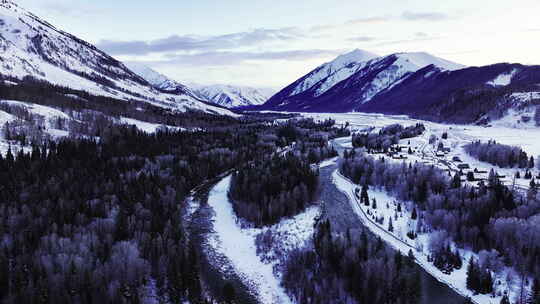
[(322, 78), (476, 94), (33, 47), (234, 96), (157, 80), (353, 84)]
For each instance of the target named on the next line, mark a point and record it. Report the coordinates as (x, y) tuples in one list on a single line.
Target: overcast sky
[(270, 43)]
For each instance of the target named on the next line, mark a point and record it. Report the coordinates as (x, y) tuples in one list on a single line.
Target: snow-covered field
[(527, 139), (146, 126), (238, 244), (386, 208)]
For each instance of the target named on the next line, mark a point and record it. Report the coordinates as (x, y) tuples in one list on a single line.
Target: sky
[(271, 43)]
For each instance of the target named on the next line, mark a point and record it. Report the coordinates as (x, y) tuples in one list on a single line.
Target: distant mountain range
[(228, 96), (416, 84), (231, 96)]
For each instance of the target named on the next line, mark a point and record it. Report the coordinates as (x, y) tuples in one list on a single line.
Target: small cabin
[(463, 166)]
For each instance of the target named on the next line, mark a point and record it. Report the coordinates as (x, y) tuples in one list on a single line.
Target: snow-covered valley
[(257, 269)]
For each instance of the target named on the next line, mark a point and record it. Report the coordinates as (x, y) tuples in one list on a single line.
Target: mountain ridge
[(416, 84), (35, 48)]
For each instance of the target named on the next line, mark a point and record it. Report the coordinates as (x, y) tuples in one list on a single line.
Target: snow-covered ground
[(32, 47), (402, 223), (527, 139), (503, 79), (458, 136), (238, 244), (146, 126)]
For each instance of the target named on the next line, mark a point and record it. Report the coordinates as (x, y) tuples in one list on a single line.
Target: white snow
[(48, 114), (329, 74), (328, 162), (33, 47), (333, 72), (527, 139), (422, 59), (233, 96), (146, 126), (45, 111), (6, 117), (238, 245), (503, 79)]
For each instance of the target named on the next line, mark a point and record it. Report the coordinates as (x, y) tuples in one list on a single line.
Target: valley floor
[(237, 243)]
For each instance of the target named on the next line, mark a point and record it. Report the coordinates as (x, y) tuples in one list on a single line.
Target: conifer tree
[(364, 196)]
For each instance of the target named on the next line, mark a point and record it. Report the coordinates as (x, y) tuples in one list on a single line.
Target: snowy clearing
[(146, 126), (503, 79)]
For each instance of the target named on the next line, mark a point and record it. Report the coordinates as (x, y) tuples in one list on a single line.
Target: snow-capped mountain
[(157, 80), (416, 84), (351, 80), (33, 47), (330, 73), (470, 95), (233, 96), (228, 96)]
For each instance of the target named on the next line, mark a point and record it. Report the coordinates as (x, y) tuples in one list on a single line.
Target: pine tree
[(505, 300), (414, 215), (374, 203), (390, 225), (456, 181), (533, 190), (472, 276), (535, 292), (364, 196), (229, 294)]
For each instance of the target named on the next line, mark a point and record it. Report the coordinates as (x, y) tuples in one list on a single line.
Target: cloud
[(362, 39), (376, 19), (405, 16), (228, 58), (63, 7), (407, 41), (196, 43), (425, 16)]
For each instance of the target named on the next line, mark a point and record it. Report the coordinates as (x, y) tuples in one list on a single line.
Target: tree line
[(284, 184), (386, 137), (354, 267), (504, 156)]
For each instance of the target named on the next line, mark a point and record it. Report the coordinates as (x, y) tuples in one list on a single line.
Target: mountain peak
[(231, 96), (423, 59), (356, 55)]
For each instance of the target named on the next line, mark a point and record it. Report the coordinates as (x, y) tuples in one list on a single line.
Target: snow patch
[(503, 79), (238, 245)]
